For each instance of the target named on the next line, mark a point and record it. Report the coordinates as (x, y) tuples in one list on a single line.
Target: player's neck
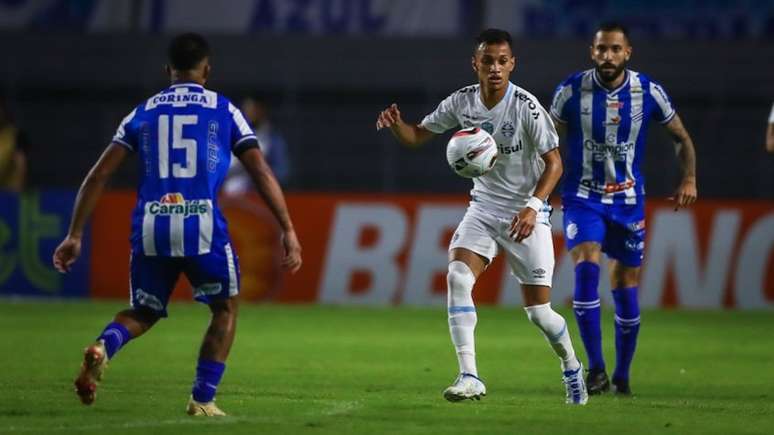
[(490, 98), (613, 84)]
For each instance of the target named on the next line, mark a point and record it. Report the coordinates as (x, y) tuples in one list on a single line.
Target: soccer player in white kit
[(507, 211)]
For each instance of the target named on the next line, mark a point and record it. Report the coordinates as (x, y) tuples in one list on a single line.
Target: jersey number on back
[(178, 142)]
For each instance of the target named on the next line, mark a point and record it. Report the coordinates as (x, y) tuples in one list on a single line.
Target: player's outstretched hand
[(66, 253), (523, 224), (388, 117), (292, 260), (686, 194)]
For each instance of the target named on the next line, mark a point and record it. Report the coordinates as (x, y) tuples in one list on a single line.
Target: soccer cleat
[(94, 364), (199, 409), (597, 382), (621, 387), (576, 388), (466, 386)]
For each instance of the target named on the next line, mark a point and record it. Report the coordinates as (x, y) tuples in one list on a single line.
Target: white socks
[(554, 328), (462, 315)]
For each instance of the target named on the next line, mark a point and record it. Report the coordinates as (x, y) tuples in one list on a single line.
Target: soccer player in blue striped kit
[(184, 137), (604, 113)]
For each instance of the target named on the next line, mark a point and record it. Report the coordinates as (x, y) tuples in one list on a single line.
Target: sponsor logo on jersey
[(600, 151), (601, 187), (212, 146), (176, 204), (508, 130), (615, 104), (502, 149), (539, 273)]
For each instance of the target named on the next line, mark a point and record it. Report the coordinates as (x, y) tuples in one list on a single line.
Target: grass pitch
[(332, 370)]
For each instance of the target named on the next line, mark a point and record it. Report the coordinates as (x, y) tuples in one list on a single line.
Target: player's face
[(610, 51), (493, 63)]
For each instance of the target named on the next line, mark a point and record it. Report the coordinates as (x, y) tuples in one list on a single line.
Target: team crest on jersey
[(487, 127), (508, 129)]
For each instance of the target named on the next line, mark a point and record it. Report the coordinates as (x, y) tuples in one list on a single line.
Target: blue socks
[(115, 336), (208, 374), (627, 326), (586, 308)]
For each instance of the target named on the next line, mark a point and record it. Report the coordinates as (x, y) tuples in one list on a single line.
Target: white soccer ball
[(471, 152)]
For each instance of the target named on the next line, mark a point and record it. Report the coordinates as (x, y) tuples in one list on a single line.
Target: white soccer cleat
[(466, 386), (576, 387), (199, 409)]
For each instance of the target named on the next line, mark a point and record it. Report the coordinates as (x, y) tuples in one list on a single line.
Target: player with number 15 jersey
[(183, 137)]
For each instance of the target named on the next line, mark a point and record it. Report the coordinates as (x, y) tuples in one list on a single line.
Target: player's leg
[(624, 282), (625, 249), (472, 248), (215, 278), (584, 230), (152, 281), (532, 262)]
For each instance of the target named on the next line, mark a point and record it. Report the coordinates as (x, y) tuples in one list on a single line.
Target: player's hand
[(388, 117), (66, 253), (523, 224), (686, 194), (292, 259)]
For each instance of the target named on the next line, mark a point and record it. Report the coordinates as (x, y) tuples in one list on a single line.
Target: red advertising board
[(391, 249)]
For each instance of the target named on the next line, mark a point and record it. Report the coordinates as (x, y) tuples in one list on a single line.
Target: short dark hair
[(613, 26), (187, 50), (493, 36)]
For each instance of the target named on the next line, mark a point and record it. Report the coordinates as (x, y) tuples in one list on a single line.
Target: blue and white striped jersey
[(184, 137), (606, 134)]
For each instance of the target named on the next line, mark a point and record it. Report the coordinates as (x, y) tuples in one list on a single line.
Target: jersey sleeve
[(664, 111), (442, 118), (242, 135), (539, 128), (126, 134), (562, 95)]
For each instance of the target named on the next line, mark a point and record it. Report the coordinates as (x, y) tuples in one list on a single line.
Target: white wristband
[(535, 203)]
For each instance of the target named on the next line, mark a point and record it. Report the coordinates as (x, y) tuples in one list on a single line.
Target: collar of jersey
[(508, 93), (187, 85), (614, 91)]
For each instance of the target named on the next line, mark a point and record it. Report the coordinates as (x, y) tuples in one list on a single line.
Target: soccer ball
[(471, 152)]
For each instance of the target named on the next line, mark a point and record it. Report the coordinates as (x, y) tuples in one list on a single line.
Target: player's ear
[(167, 70), (473, 64), (206, 72)]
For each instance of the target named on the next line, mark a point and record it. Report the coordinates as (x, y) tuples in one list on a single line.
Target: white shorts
[(531, 260)]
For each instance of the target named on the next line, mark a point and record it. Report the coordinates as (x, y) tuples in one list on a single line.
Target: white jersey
[(523, 131)]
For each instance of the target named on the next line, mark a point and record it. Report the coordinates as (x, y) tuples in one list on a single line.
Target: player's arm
[(88, 195), (525, 221), (770, 138), (270, 191), (407, 134), (686, 193)]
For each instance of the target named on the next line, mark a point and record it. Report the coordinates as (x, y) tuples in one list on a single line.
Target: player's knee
[(586, 251), (544, 317), (460, 280), (623, 276), (224, 308)]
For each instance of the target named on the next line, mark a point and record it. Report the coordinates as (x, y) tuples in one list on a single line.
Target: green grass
[(331, 370)]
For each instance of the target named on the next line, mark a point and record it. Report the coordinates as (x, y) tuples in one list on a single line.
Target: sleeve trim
[(123, 143)]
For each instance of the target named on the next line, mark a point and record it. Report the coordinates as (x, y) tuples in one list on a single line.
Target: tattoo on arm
[(684, 147)]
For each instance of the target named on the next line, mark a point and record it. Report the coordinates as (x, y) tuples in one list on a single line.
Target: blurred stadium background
[(374, 217)]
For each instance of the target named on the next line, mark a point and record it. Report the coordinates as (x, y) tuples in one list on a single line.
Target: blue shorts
[(212, 276), (618, 228)]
